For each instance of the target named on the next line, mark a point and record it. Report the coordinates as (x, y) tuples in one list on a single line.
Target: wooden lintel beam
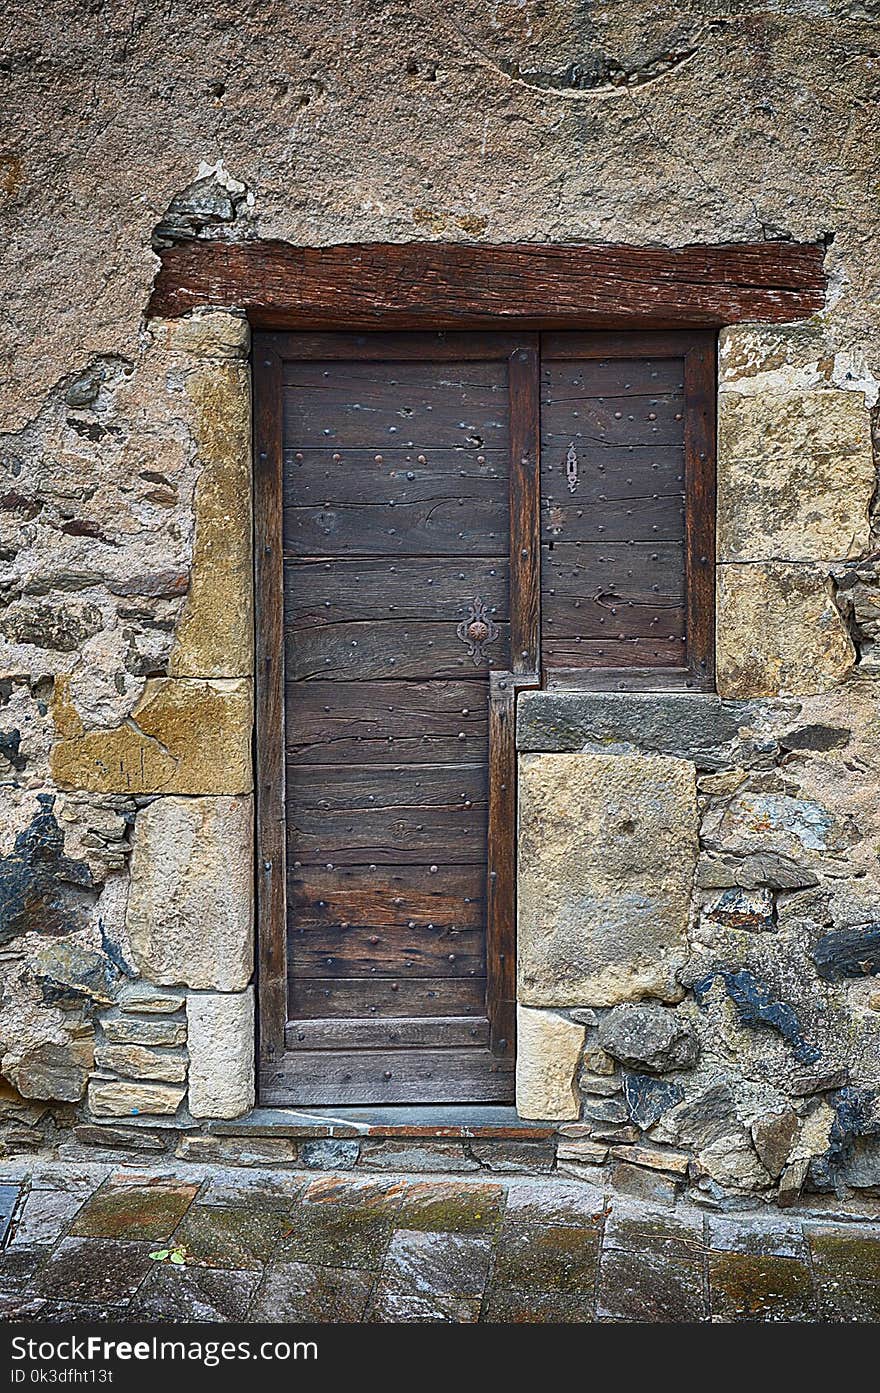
[(455, 285)]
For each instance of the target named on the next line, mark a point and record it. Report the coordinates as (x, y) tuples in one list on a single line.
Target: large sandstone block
[(190, 908), (184, 736), (221, 1054), (548, 1049), (138, 1062), (795, 476), (779, 632), (124, 1098), (215, 634), (607, 852)]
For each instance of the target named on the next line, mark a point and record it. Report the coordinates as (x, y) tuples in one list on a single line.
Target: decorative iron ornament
[(571, 468), (477, 631)]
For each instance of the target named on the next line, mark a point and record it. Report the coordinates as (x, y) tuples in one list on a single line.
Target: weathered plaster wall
[(125, 667)]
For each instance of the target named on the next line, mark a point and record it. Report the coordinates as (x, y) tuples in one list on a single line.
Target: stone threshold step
[(437, 1122)]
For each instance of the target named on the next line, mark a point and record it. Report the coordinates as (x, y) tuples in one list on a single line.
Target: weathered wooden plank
[(421, 951), (617, 679), (611, 422), (610, 474), (457, 526), (435, 285), (654, 517), (372, 722), (601, 377), (389, 787), (396, 475), (395, 589), (395, 1032), (385, 651), (388, 898), (414, 405), (587, 652), (324, 1078), (525, 523), (645, 572), (609, 618), (269, 704), (701, 396), (501, 862), (345, 997), (406, 814)]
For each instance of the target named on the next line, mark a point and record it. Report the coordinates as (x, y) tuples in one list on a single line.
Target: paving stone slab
[(17, 1305), (127, 1209), (634, 1226), (301, 1292), (233, 1189), (554, 1257), (46, 1214), (19, 1262), (511, 1306), (770, 1237), (744, 1287), (173, 1293), (438, 1264), (341, 1235), (565, 1202), (392, 1304), (239, 1238), (450, 1208), (366, 1192), (840, 1300), (851, 1254), (651, 1287), (94, 1270)]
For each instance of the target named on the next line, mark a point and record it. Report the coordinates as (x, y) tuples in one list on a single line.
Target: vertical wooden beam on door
[(525, 632), (525, 521), (269, 700), (699, 459)]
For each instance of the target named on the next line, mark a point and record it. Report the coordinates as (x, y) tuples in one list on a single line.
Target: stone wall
[(698, 948), (127, 874)]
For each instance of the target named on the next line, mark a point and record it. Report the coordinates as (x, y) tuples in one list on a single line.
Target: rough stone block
[(142, 999), (648, 1037), (124, 1099), (205, 334), (215, 633), (134, 1032), (547, 1053), (49, 1070), (221, 1052), (190, 908), (607, 850), (237, 1151), (686, 725), (184, 736), (779, 631), (137, 1062), (795, 476)]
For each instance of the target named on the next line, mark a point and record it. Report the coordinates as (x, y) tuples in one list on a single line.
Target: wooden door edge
[(269, 781), (501, 859)]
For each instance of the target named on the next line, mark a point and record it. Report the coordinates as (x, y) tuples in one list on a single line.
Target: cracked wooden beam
[(437, 285)]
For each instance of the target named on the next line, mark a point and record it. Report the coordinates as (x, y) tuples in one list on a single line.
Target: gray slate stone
[(688, 725), (648, 1037)]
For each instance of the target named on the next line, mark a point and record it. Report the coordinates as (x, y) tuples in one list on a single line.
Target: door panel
[(396, 537), (414, 572)]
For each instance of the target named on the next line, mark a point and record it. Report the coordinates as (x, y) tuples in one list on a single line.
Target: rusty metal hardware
[(571, 468), (477, 631)]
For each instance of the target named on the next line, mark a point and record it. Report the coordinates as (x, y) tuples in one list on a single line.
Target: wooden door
[(407, 563), (396, 498)]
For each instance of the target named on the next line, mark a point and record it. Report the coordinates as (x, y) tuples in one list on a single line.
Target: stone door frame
[(187, 744)]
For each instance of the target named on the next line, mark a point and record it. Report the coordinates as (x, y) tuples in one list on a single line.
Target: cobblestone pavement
[(87, 1242)]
